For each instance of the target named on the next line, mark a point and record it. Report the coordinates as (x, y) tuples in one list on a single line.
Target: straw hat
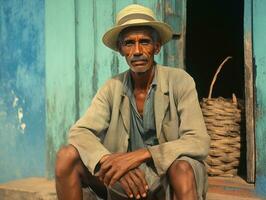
[(136, 15)]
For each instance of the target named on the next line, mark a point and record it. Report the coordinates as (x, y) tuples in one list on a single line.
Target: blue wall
[(259, 53), (22, 116)]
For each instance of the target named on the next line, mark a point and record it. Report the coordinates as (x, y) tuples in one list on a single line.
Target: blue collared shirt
[(142, 129)]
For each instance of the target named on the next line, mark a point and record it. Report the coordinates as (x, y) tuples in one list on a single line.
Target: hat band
[(135, 16)]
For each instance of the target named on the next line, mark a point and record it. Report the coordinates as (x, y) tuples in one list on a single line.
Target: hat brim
[(164, 30)]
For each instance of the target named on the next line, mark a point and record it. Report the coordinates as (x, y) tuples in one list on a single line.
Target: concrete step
[(33, 189), (43, 189), (30, 189)]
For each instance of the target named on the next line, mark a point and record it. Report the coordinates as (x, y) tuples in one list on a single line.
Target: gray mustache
[(141, 58)]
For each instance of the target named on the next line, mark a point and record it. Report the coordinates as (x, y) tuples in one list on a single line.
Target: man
[(143, 136)]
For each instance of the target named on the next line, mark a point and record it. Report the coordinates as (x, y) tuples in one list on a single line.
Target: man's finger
[(138, 182), (125, 186), (108, 176), (141, 175), (103, 170), (132, 186), (117, 175)]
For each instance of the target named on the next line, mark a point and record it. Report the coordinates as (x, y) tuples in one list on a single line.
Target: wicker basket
[(222, 117)]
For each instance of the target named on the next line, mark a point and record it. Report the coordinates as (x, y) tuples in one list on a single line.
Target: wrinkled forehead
[(143, 30)]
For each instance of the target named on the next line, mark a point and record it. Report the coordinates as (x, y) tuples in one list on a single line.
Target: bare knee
[(66, 159), (181, 168)]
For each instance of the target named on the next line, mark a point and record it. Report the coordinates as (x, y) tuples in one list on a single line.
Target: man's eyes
[(145, 41), (129, 43)]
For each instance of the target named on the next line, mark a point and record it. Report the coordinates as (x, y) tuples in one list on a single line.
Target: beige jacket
[(179, 122)]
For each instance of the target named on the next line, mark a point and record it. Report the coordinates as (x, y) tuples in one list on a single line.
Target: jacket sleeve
[(192, 138), (86, 134)]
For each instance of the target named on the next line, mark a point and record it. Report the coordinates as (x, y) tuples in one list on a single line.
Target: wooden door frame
[(249, 91)]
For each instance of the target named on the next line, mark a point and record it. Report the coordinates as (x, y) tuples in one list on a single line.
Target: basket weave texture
[(223, 122), (222, 118)]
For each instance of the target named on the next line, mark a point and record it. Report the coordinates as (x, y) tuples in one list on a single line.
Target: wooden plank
[(233, 182), (85, 53), (96, 63), (103, 18), (230, 188), (249, 93), (60, 75), (218, 196), (175, 15)]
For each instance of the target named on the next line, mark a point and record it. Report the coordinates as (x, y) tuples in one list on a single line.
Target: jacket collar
[(162, 79), (161, 101)]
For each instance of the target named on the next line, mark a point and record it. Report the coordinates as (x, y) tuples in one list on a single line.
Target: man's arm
[(85, 134)]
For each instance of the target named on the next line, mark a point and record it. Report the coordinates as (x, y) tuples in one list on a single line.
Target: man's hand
[(134, 183), (114, 166)]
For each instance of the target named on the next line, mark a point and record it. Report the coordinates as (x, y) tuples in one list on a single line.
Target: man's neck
[(142, 81)]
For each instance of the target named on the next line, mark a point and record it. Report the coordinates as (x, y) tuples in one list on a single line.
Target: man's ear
[(121, 53), (119, 49), (157, 48)]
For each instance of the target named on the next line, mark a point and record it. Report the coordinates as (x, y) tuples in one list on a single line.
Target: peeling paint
[(168, 9), (22, 125), (20, 114), (22, 91), (15, 102)]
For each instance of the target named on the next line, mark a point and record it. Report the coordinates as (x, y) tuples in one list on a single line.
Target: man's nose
[(137, 49)]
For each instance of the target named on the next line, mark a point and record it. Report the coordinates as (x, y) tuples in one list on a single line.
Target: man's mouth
[(139, 62)]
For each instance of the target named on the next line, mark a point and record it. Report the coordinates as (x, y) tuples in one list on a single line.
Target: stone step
[(28, 189), (33, 189), (43, 189)]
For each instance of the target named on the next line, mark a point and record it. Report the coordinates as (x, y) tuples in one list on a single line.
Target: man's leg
[(182, 180), (71, 175)]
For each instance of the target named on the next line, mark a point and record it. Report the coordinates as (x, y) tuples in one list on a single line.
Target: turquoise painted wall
[(47, 84), (22, 114), (61, 73), (259, 53)]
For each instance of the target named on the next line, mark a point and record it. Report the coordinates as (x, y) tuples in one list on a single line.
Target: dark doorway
[(215, 31)]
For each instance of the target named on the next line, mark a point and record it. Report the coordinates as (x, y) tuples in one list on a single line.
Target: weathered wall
[(45, 85), (22, 115), (259, 53), (60, 71)]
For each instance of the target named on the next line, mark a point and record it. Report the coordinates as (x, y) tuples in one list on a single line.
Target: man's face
[(139, 49)]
